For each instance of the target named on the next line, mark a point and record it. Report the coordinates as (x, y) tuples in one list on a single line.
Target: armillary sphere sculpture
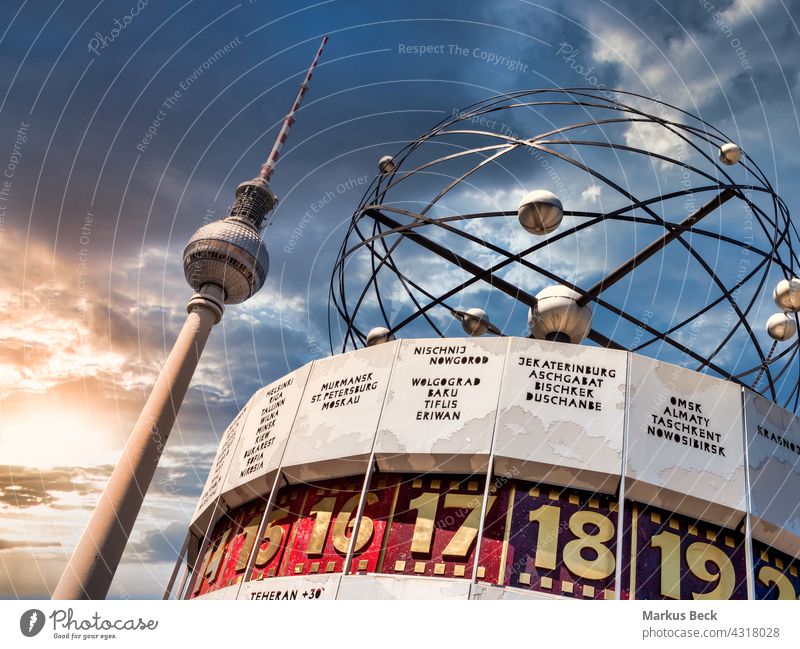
[(603, 216)]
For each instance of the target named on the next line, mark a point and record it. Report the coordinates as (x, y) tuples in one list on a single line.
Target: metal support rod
[(748, 499), (182, 586), (362, 502), (764, 365), (506, 287), (620, 535), (177, 567), (191, 571), (436, 248), (604, 341), (262, 526), (659, 244), (95, 559)]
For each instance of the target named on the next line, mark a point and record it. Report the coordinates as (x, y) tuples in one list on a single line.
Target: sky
[(122, 132)]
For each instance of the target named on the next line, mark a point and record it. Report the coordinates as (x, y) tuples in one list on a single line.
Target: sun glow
[(43, 436)]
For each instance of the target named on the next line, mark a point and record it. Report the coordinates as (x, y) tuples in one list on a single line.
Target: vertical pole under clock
[(201, 553), (182, 585), (748, 532), (177, 567), (622, 484), (489, 478), (251, 559), (365, 487)]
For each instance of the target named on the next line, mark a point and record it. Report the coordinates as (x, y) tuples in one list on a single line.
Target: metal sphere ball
[(475, 322), (730, 154), (230, 254), (787, 295), (386, 164), (378, 336), (781, 327), (540, 212), (558, 317)]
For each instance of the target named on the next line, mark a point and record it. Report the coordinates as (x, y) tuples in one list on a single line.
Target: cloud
[(691, 54), (6, 544), (159, 545), (28, 574), (23, 487), (592, 193)]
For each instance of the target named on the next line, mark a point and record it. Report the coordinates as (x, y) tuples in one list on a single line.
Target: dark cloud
[(183, 472), (158, 545), (22, 487), (6, 544), (28, 574)]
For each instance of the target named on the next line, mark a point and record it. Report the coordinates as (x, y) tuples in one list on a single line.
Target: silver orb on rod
[(781, 327), (787, 295), (378, 336), (557, 316), (386, 164), (476, 322), (540, 212), (653, 232), (730, 153)]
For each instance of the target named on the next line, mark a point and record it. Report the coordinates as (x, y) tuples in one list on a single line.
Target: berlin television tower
[(225, 262)]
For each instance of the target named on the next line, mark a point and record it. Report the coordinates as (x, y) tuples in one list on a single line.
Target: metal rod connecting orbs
[(659, 244)]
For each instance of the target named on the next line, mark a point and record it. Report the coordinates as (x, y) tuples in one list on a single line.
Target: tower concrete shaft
[(226, 262), (97, 555)]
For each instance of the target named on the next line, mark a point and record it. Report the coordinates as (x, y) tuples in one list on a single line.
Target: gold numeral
[(698, 555), (767, 575), (212, 562), (603, 564), (670, 546), (548, 517), (344, 523), (322, 513), (273, 538), (250, 532), (425, 504), (459, 545)]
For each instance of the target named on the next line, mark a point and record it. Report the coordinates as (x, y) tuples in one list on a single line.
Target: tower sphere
[(781, 327), (787, 295), (540, 212), (729, 153), (558, 317), (475, 322), (230, 254)]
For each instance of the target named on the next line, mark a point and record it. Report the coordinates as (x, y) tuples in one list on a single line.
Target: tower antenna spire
[(254, 198), (269, 166)]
